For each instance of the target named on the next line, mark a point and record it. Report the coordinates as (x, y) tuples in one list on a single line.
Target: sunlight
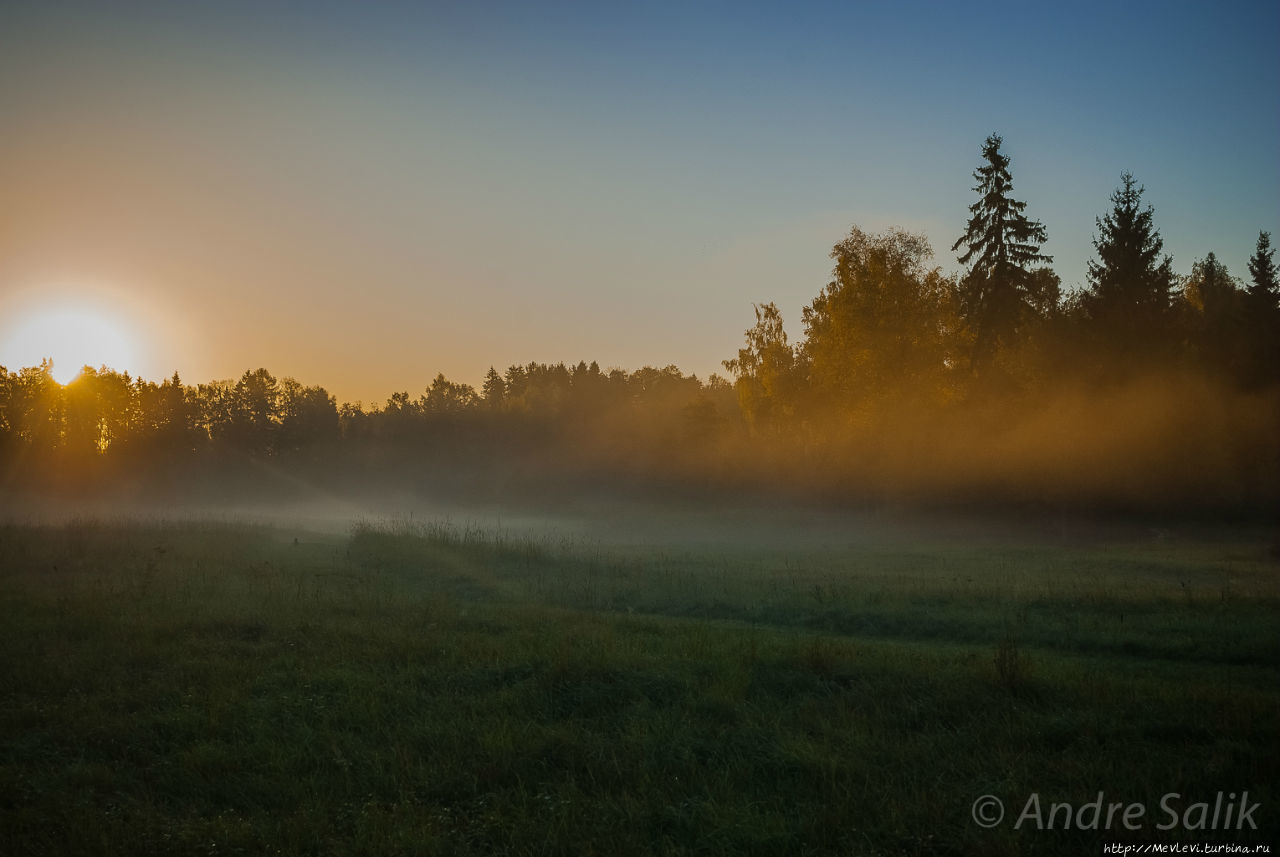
[(72, 336)]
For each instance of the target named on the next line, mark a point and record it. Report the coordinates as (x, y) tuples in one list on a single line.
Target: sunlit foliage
[(885, 331)]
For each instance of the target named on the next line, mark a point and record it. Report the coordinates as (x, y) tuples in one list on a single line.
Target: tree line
[(891, 330), (564, 417), (906, 379)]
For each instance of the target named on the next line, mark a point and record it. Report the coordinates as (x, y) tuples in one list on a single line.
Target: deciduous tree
[(884, 329), (766, 372)]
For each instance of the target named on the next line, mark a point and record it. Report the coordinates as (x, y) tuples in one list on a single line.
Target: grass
[(441, 689)]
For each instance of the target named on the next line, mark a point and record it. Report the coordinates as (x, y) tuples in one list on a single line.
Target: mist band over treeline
[(1146, 388)]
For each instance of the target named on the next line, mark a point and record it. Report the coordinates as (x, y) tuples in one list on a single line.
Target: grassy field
[(407, 688)]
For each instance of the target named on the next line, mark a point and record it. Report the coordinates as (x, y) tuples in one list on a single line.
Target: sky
[(364, 195)]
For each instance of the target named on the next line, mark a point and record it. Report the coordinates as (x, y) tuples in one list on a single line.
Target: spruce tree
[(1130, 286), (1262, 299), (1002, 244), (1264, 288), (494, 389)]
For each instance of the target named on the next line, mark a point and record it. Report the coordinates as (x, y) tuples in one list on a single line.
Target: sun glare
[(72, 337)]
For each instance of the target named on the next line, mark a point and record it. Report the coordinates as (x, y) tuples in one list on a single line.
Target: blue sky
[(362, 195)]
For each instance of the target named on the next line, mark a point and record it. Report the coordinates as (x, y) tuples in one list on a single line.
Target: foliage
[(1212, 301), (884, 329), (767, 373)]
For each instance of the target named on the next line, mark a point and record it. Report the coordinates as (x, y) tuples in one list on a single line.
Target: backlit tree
[(1001, 246)]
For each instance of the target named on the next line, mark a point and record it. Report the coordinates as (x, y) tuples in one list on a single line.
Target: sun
[(72, 336)]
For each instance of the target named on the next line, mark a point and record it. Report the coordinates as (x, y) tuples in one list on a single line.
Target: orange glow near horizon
[(72, 336)]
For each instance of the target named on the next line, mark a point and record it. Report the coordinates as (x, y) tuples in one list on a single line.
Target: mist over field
[(1179, 445), (1145, 393)]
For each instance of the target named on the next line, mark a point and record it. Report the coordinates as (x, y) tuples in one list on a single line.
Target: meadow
[(425, 687)]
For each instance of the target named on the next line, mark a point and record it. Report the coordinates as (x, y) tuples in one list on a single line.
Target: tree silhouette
[(1213, 300), (1262, 302), (308, 415), (83, 415), (1264, 285), (255, 411), (167, 416), (765, 372), (494, 389), (1210, 289), (1130, 285), (6, 430), (100, 410), (1001, 244), (445, 396), (34, 408), (516, 379)]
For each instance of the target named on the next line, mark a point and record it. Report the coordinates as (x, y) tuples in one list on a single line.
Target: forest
[(1146, 388)]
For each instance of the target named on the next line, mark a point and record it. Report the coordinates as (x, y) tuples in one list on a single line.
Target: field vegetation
[(419, 687)]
